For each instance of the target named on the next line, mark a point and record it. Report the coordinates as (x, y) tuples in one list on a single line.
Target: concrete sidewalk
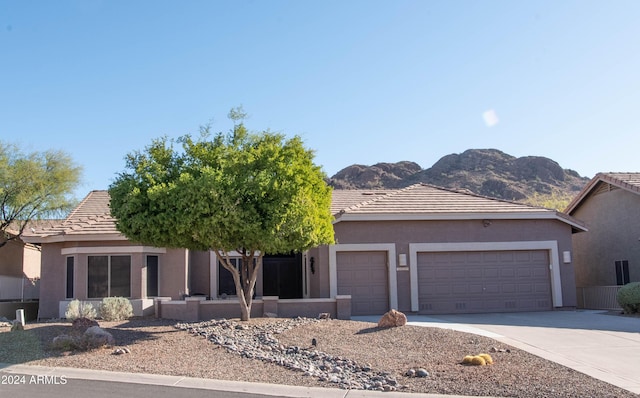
[(603, 346), (208, 384)]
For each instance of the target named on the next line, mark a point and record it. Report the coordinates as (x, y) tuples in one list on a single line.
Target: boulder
[(392, 319), (96, 337), (64, 342), (80, 325)]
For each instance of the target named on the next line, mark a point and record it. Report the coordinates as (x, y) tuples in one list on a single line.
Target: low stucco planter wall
[(194, 309)]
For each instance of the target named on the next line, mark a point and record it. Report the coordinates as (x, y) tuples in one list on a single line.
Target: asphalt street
[(30, 386)]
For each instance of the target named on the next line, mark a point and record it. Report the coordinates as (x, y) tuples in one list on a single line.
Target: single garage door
[(363, 275), (491, 281)]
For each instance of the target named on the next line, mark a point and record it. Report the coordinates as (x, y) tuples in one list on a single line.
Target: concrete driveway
[(596, 343)]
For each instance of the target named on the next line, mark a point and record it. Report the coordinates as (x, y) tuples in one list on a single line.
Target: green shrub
[(629, 297), (116, 309), (80, 309)]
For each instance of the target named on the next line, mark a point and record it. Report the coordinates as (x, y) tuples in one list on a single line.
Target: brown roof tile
[(92, 216)]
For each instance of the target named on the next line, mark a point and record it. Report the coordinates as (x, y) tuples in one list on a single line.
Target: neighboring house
[(20, 265), (420, 249), (609, 254)]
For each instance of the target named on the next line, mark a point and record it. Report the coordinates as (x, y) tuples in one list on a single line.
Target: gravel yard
[(158, 346)]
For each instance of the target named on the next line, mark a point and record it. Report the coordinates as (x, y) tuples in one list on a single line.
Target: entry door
[(282, 275)]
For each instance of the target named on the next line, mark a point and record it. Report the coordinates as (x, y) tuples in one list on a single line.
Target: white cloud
[(490, 118)]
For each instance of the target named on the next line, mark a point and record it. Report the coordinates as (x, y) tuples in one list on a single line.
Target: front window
[(108, 276), (70, 274), (622, 272)]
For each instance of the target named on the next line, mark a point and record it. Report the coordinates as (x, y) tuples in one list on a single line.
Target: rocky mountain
[(488, 172)]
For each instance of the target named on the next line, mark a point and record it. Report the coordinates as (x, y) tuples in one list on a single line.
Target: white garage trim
[(390, 248), (550, 245), (112, 250)]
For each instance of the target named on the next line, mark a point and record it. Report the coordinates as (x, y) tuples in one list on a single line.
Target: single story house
[(421, 249), (609, 254)]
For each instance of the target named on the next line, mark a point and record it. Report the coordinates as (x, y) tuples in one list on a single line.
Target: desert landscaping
[(346, 354)]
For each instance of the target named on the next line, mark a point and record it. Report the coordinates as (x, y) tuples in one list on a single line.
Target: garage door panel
[(502, 281), (364, 276)]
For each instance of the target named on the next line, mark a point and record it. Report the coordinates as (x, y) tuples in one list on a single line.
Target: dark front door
[(282, 275)]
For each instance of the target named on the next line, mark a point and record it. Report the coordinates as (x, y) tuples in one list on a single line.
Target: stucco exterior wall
[(11, 259), (52, 282), (613, 220)]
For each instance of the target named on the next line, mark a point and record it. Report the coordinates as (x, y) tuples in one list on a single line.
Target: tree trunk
[(248, 274)]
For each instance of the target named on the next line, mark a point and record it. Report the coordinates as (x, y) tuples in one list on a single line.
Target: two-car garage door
[(484, 281)]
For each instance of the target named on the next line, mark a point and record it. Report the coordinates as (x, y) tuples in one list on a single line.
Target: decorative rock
[(17, 326), (80, 325), (270, 315), (422, 372), (259, 342), (410, 373), (96, 337), (324, 315), (392, 319), (121, 350)]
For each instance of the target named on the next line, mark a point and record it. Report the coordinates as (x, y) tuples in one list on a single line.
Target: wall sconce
[(486, 223), (312, 265)]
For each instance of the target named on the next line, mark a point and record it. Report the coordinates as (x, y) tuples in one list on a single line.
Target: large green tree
[(253, 193), (33, 186)]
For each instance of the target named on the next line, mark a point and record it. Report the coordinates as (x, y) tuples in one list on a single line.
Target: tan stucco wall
[(31, 262), (52, 283), (402, 233), (613, 220), (11, 259)]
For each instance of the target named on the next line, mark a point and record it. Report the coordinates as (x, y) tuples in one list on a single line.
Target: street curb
[(208, 384)]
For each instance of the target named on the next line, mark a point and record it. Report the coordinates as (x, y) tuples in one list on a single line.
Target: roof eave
[(74, 238), (446, 216)]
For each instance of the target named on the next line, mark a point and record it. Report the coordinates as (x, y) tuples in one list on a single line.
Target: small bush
[(116, 309), (80, 309), (629, 297)]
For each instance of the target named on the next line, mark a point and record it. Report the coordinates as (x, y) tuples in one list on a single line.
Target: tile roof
[(344, 198), (626, 181), (91, 217), (424, 198), (428, 202)]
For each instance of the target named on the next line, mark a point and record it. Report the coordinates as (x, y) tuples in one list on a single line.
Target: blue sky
[(359, 81)]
